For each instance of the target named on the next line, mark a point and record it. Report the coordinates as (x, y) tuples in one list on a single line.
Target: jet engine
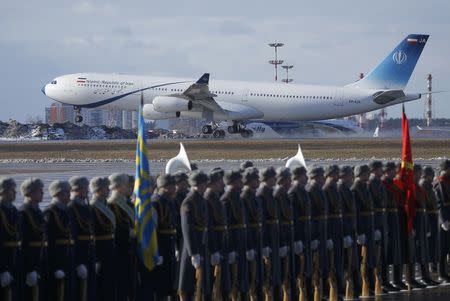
[(170, 104), (150, 113)]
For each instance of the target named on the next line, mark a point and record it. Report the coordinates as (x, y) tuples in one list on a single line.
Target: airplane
[(237, 102)]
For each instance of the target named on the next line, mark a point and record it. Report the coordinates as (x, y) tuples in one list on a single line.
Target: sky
[(328, 42)]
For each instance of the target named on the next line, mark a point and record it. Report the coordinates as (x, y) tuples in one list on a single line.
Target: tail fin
[(396, 69)]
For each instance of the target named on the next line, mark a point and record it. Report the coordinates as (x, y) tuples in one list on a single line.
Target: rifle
[(286, 279), (7, 294), (377, 270), (35, 293), (364, 277), (252, 291), (198, 284), (234, 281), (267, 285), (316, 277), (350, 288), (83, 289), (333, 295), (217, 287), (60, 290), (301, 279)]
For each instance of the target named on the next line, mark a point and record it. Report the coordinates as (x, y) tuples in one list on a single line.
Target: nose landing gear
[(78, 117)]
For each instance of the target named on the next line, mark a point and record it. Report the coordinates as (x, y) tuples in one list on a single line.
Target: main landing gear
[(213, 129), (78, 117), (239, 128)]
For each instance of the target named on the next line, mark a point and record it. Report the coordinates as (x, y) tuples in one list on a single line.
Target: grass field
[(224, 149)]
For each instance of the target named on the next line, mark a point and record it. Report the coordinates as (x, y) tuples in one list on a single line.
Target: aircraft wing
[(199, 94)]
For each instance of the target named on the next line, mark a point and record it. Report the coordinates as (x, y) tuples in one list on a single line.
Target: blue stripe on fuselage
[(112, 99)]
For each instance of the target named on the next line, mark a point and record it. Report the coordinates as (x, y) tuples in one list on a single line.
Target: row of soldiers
[(240, 235)]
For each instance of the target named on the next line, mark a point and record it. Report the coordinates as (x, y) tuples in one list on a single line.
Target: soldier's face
[(37, 195), (347, 179), (201, 188), (390, 174), (182, 185), (320, 180), (9, 195), (64, 196), (103, 192), (254, 184), (271, 181), (364, 177), (378, 172)]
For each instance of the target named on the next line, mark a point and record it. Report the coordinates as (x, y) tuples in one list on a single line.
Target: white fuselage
[(275, 101)]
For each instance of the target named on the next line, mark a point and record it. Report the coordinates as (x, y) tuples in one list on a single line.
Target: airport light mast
[(276, 61), (287, 68), (428, 111)]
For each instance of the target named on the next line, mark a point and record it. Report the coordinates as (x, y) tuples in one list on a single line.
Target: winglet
[(204, 80)]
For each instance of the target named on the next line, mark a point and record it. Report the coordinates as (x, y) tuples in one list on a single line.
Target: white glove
[(348, 242), (6, 279), (160, 260), (250, 254), (82, 272), (330, 244), (195, 260), (361, 239), (266, 252), (283, 251), (98, 266), (232, 257), (177, 255), (377, 235), (314, 244), (59, 275), (298, 247), (428, 234), (32, 279), (215, 258), (445, 226)]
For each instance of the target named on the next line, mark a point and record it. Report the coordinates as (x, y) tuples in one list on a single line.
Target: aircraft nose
[(43, 89)]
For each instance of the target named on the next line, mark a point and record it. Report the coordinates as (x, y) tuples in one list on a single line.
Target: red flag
[(405, 179)]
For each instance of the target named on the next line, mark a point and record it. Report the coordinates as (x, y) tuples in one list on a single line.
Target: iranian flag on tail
[(412, 41)]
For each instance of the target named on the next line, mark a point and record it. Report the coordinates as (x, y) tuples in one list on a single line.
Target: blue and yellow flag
[(145, 215)]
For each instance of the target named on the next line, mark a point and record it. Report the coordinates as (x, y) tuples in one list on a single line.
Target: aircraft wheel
[(217, 134), (207, 129), (222, 134), (247, 134), (78, 118), (231, 129)]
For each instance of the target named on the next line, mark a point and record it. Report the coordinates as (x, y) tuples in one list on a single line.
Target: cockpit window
[(54, 82)]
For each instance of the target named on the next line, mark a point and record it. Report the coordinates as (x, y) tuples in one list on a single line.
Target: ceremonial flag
[(405, 179), (145, 216)]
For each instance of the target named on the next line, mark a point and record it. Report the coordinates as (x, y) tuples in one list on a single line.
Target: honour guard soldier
[(194, 256), (182, 187), (124, 214), (254, 231), (421, 228), (335, 231), (365, 227), (237, 230), (218, 236), (245, 165), (394, 246), (351, 262), (82, 222), (163, 276), (60, 244), (286, 218), (379, 196), (442, 191), (319, 236), (426, 184), (104, 230), (9, 242), (34, 240), (271, 238), (302, 214)]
